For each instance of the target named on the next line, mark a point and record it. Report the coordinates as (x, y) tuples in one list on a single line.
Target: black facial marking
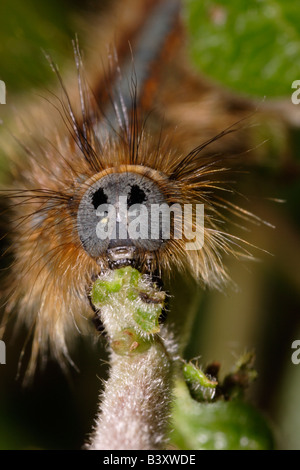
[(136, 196), (99, 197)]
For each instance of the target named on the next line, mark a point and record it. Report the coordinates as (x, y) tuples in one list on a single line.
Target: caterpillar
[(111, 141)]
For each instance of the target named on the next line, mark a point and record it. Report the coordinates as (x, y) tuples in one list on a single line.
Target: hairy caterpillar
[(110, 144)]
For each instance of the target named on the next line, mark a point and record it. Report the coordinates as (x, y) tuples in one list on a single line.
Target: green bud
[(201, 387), (129, 343)]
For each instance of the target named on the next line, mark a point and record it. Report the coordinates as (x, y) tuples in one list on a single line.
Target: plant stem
[(134, 408), (135, 405)]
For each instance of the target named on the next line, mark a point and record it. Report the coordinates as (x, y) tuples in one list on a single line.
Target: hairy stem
[(135, 405), (134, 408)]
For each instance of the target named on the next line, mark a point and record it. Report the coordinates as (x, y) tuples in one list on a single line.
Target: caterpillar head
[(114, 218)]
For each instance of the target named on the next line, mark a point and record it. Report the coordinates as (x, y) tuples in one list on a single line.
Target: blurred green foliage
[(28, 28), (252, 47)]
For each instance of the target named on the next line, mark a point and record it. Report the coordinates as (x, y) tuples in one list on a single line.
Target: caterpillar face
[(114, 217)]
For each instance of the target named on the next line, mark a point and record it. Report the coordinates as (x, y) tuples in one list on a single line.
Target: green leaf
[(224, 425), (252, 47)]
